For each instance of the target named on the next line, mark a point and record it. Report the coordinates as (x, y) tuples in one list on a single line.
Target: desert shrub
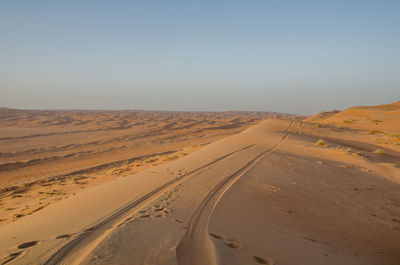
[(379, 151), (375, 132), (321, 142), (394, 135), (348, 150)]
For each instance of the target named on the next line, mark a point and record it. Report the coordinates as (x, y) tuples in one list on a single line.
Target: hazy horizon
[(172, 110), (288, 57)]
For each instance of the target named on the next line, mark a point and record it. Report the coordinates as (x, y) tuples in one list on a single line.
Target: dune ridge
[(385, 118)]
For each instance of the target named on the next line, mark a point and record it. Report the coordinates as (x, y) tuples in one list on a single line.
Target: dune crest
[(385, 118)]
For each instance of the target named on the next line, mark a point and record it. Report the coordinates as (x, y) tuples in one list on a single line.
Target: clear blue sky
[(287, 56)]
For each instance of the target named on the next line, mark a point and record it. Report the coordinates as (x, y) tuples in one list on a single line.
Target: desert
[(200, 132), (220, 188), (49, 155)]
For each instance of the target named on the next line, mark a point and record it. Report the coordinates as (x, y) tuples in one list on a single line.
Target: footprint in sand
[(230, 242), (159, 209), (63, 236), (18, 215), (160, 216), (145, 216), (218, 236), (179, 221), (233, 245), (28, 244), (144, 210), (263, 260), (11, 257)]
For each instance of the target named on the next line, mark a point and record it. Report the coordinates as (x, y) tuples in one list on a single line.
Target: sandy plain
[(275, 190)]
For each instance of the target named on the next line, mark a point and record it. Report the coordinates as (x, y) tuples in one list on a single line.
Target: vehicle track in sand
[(196, 247), (80, 247)]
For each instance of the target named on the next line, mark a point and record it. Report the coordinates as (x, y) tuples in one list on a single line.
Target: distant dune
[(385, 118)]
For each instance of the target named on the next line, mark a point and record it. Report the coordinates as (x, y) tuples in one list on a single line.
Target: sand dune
[(46, 156), (283, 191), (382, 118)]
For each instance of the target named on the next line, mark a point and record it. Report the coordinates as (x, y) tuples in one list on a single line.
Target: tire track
[(77, 250), (196, 247)]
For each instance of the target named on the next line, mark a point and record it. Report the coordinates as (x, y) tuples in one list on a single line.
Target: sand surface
[(283, 191), (47, 156)]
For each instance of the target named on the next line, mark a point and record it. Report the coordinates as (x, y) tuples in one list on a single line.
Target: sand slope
[(384, 118), (71, 216), (268, 195), (280, 192), (46, 156)]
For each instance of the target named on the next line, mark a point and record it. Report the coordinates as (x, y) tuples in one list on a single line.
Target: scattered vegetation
[(375, 132), (348, 121), (77, 179), (18, 215), (321, 142), (151, 160), (379, 151), (394, 135)]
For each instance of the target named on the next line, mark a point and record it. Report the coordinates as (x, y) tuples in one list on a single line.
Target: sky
[(297, 57)]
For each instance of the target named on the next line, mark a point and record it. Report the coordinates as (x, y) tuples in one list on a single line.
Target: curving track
[(75, 251), (196, 247)]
